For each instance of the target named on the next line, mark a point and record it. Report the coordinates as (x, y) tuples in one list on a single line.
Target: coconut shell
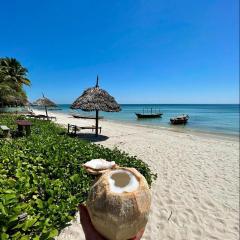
[(119, 216), (95, 172), (99, 170)]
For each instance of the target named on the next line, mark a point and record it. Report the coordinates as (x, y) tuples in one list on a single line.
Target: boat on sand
[(86, 117)]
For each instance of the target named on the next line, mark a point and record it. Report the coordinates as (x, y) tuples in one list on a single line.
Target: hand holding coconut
[(119, 202), (89, 230)]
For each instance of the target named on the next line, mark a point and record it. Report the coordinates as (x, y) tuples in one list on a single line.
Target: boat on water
[(182, 119), (86, 117), (153, 115), (54, 109), (149, 114)]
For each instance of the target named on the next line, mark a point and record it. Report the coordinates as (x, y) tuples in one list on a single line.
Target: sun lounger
[(51, 118), (73, 128), (5, 130), (44, 117), (31, 115)]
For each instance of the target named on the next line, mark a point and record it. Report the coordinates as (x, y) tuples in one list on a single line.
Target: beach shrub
[(42, 181)]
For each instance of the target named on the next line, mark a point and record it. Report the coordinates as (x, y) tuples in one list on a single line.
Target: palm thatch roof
[(44, 102), (94, 99), (27, 103), (13, 100)]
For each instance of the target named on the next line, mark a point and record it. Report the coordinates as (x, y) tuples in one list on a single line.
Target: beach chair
[(5, 130), (31, 115), (44, 117), (53, 117), (73, 129)]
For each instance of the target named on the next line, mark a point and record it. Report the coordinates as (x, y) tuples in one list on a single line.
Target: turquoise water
[(217, 118)]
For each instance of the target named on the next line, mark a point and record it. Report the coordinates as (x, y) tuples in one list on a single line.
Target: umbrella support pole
[(96, 132), (46, 111)]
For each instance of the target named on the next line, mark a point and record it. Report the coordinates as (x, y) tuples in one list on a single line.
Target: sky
[(144, 51)]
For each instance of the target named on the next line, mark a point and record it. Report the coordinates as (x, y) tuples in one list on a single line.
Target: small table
[(24, 124)]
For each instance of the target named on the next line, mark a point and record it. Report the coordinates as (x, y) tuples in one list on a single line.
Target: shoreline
[(227, 136), (187, 131)]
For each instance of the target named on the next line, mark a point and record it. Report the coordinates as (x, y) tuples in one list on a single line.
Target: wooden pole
[(46, 111), (96, 123)]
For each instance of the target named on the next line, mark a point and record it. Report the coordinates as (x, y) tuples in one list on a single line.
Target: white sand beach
[(196, 194)]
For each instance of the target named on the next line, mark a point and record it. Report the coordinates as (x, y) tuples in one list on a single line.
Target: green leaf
[(4, 236), (29, 223), (19, 173), (17, 235), (14, 218), (9, 191), (53, 233), (75, 177), (25, 238), (18, 226), (9, 198), (3, 210), (39, 203)]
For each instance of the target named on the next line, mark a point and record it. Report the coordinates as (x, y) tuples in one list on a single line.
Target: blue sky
[(145, 51)]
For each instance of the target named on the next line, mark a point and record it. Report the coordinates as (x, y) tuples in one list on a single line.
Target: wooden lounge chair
[(44, 117), (31, 115), (73, 129), (51, 118), (5, 130)]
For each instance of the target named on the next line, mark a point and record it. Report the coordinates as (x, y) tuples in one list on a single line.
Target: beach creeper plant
[(42, 180)]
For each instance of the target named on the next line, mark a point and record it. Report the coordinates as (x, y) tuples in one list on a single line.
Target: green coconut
[(119, 203)]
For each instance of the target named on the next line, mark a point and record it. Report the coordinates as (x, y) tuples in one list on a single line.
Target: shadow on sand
[(90, 137)]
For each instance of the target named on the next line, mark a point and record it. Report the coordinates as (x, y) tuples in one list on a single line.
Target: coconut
[(119, 203), (98, 166)]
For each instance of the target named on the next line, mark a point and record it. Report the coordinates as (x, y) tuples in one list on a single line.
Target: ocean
[(213, 118)]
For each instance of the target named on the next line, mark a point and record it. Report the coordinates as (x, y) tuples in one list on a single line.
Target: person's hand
[(89, 230)]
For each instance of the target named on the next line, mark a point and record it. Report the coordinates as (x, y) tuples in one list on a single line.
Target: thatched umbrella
[(96, 99), (28, 104), (44, 102)]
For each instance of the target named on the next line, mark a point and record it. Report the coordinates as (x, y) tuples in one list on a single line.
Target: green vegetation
[(12, 79), (42, 181)]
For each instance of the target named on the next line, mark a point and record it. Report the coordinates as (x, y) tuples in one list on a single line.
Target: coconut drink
[(119, 203)]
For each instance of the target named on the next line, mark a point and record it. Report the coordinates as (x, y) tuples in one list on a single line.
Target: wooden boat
[(182, 119), (54, 109), (148, 113), (86, 117), (151, 115)]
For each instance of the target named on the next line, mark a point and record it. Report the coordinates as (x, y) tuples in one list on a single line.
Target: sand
[(196, 194)]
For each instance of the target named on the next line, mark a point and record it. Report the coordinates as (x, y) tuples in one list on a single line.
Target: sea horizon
[(167, 104)]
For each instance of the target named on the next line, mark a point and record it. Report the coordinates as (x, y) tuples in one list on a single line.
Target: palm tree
[(13, 71), (12, 79)]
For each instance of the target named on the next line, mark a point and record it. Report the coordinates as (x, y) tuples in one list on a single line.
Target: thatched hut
[(12, 100), (44, 102), (96, 99)]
